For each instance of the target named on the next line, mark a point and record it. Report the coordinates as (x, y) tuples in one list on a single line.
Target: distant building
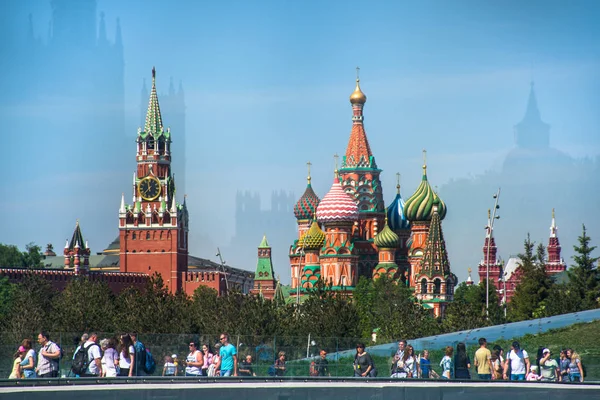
[(153, 231), (506, 277), (349, 233)]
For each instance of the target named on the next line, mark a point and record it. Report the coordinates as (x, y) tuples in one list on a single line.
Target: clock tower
[(153, 230)]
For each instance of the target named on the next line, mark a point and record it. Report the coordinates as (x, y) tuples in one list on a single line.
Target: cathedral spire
[(358, 152), (435, 258), (555, 264), (532, 132), (154, 124)]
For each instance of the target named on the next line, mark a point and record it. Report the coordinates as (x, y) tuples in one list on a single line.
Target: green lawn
[(583, 338)]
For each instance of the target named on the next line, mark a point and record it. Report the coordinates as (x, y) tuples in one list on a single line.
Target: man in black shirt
[(321, 364), (245, 368)]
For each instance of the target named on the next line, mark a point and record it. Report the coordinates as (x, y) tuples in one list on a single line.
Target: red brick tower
[(77, 252), (490, 258), (360, 179), (154, 229), (555, 264)]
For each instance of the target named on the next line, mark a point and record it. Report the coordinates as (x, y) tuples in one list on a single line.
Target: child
[(16, 371), (533, 375), (447, 364), (424, 365), (170, 369)]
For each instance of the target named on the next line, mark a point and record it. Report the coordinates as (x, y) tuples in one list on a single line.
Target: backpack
[(272, 370), (313, 370), (81, 360), (149, 364)]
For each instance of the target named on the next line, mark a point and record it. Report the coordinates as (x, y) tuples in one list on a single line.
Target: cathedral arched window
[(437, 286), (133, 236), (147, 235), (423, 286), (449, 286)]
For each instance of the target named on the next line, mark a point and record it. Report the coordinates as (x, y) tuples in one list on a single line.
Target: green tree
[(467, 311), (10, 256), (32, 256), (6, 298), (83, 306), (529, 299), (32, 307), (584, 276), (384, 304)]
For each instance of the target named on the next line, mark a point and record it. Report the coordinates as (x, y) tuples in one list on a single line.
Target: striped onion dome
[(307, 205), (312, 239), (386, 239), (395, 213), (419, 206), (337, 205)]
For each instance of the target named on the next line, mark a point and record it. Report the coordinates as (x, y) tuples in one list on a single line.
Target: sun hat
[(545, 351), (174, 356), (22, 349)]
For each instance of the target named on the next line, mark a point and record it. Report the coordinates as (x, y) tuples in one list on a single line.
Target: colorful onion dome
[(358, 97), (419, 206), (386, 239), (395, 213), (337, 205), (307, 205), (312, 239)]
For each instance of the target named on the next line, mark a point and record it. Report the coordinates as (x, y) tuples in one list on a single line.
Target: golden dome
[(358, 97)]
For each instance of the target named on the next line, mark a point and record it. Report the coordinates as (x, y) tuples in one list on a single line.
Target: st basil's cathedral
[(349, 233)]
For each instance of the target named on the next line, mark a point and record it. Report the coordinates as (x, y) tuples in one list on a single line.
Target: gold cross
[(335, 156), (357, 73), (424, 157), (309, 164), (469, 269)]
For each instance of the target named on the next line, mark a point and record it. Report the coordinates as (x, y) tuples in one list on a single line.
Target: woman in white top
[(208, 359), (194, 361), (126, 355)]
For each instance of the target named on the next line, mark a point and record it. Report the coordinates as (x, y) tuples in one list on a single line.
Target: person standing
[(483, 361), (227, 363), (462, 363), (321, 364), (363, 363), (194, 361), (518, 360), (280, 364), (110, 359), (29, 359), (447, 364), (126, 355), (245, 368), (549, 369), (94, 356), (48, 358), (139, 360)]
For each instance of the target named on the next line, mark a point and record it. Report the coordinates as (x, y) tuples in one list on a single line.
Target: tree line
[(381, 305)]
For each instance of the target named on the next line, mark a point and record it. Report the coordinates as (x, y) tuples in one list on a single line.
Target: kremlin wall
[(347, 234)]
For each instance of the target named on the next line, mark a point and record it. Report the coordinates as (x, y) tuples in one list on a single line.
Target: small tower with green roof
[(264, 277)]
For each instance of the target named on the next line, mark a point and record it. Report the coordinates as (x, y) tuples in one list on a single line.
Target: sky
[(266, 89)]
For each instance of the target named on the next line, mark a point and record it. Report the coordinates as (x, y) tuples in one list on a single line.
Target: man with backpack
[(517, 360), (94, 357), (87, 358)]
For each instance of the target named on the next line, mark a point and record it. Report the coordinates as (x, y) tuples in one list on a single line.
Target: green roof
[(264, 244)]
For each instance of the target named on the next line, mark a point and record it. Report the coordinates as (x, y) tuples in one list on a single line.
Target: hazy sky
[(267, 86)]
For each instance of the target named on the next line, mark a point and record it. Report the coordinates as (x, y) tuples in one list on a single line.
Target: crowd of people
[(126, 356), (489, 364)]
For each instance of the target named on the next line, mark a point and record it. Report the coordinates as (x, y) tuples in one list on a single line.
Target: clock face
[(149, 188)]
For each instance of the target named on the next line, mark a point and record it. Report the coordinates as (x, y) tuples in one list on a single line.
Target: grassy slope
[(583, 338)]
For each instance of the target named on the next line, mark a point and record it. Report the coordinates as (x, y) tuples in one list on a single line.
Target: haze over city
[(265, 87)]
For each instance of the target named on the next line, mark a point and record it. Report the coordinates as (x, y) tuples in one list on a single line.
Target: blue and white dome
[(395, 214)]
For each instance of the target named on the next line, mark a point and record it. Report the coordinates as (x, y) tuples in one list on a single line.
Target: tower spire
[(398, 182), (553, 226), (102, 38), (358, 152), (118, 35), (154, 124)]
